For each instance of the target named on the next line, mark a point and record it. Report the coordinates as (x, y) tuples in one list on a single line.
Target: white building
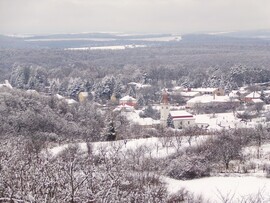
[(208, 99), (209, 91), (182, 119)]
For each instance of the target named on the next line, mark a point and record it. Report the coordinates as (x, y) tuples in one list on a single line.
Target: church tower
[(164, 108)]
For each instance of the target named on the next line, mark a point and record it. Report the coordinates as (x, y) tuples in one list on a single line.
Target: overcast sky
[(151, 16)]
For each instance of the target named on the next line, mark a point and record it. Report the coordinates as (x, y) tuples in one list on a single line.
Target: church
[(181, 119)]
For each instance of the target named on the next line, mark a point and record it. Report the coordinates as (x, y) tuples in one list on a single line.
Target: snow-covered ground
[(153, 147), (161, 39), (135, 118), (215, 121), (225, 120), (139, 85), (120, 47), (216, 189), (235, 188), (69, 39)]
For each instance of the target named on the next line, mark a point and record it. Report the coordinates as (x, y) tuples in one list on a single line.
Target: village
[(204, 108)]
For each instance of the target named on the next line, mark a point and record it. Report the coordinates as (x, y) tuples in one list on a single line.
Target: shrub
[(188, 167)]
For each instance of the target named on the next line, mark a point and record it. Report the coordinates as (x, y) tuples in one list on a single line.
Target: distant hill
[(221, 39), (255, 34), (115, 39), (13, 42)]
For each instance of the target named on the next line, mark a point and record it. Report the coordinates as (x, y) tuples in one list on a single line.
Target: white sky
[(154, 16)]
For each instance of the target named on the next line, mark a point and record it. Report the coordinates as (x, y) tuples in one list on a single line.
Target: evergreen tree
[(117, 90), (140, 101), (145, 78), (110, 134), (87, 86), (170, 121), (132, 92), (20, 76), (262, 96)]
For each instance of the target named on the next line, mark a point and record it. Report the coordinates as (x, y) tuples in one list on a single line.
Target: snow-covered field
[(120, 47), (219, 121), (161, 39), (236, 188), (217, 189), (70, 39)]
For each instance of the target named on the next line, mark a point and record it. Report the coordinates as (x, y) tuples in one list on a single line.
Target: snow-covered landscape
[(232, 187), (133, 101)]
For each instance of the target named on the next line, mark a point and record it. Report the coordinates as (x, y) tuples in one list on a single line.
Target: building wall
[(128, 102), (219, 92), (184, 123)]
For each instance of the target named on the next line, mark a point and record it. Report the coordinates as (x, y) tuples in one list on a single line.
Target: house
[(128, 100), (189, 95), (124, 108), (83, 96), (208, 100), (209, 91), (253, 95), (6, 85), (182, 119)]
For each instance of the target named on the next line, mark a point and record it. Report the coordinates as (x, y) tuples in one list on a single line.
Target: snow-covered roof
[(125, 107), (210, 98), (177, 88), (257, 101), (6, 84), (180, 113), (127, 98), (71, 101), (189, 94), (234, 94), (243, 90), (266, 91), (208, 89), (59, 96), (254, 95)]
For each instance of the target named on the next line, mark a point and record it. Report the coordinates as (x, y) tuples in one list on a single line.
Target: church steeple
[(164, 108), (165, 97)]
